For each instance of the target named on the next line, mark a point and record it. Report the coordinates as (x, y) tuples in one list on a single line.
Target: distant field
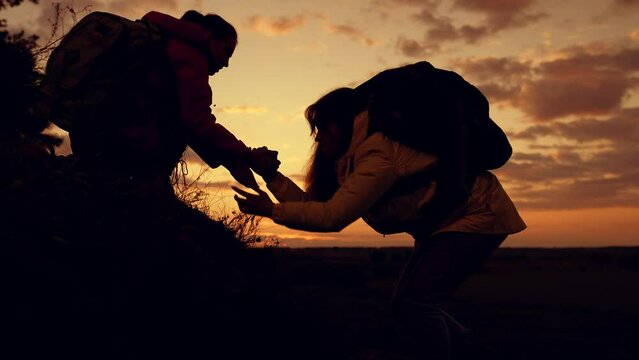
[(525, 303)]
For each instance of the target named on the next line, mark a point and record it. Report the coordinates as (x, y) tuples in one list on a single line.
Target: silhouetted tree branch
[(57, 31)]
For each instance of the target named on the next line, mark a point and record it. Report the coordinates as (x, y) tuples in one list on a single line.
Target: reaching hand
[(264, 162), (242, 173), (260, 204)]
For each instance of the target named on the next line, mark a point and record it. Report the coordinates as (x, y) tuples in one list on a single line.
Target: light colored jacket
[(366, 174)]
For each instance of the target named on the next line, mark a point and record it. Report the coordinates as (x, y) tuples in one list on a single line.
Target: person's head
[(331, 121), (223, 38)]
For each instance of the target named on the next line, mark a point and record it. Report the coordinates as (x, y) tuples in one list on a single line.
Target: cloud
[(585, 81), (421, 3), (533, 132), (591, 79), (278, 26), (537, 169), (593, 193), (498, 15), (599, 170), (625, 4), (502, 14), (412, 48), (384, 8), (242, 109), (353, 33), (506, 69), (440, 30), (620, 129), (284, 25), (616, 9), (498, 78), (554, 97), (498, 94)]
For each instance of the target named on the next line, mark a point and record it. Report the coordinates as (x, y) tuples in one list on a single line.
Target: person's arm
[(210, 140), (285, 190), (234, 156), (373, 176), (195, 98)]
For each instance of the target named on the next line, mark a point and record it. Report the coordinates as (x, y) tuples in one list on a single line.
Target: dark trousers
[(437, 267)]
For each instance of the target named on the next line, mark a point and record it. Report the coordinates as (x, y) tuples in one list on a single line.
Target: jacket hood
[(360, 133), (184, 30)]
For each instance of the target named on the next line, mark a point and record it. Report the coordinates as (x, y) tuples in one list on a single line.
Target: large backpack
[(437, 112), (108, 82)]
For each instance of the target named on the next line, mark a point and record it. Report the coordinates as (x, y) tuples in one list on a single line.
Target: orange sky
[(562, 78)]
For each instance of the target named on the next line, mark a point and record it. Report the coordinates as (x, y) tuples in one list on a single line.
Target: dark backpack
[(107, 79), (437, 112)]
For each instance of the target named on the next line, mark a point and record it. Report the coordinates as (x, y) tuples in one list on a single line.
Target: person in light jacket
[(354, 174)]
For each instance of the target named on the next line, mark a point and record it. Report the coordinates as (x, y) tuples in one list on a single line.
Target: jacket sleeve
[(210, 140), (374, 173), (284, 189)]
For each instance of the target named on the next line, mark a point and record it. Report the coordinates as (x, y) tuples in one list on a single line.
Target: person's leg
[(435, 270)]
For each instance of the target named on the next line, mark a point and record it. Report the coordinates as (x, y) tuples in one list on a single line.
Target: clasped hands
[(265, 163)]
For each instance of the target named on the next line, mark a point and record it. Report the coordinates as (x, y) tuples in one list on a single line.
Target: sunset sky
[(562, 77)]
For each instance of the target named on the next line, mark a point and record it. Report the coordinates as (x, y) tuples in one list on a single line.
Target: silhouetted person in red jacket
[(198, 46)]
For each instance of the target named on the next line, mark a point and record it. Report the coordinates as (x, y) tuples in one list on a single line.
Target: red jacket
[(186, 49)]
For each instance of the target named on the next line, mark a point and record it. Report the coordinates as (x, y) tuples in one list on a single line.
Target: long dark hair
[(213, 23), (339, 107)]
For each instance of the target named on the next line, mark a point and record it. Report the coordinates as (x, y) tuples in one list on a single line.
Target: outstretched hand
[(260, 204)]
